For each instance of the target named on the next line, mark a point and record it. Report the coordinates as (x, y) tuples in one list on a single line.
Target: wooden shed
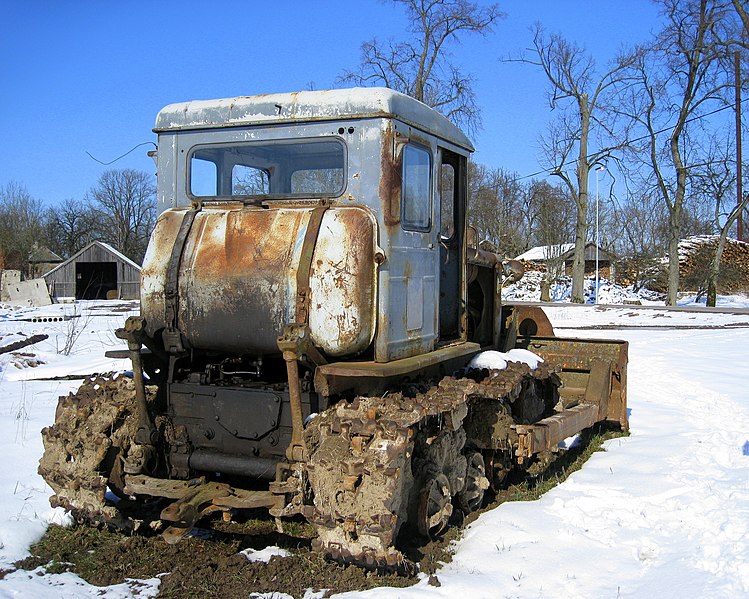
[(42, 260), (98, 271), (564, 253)]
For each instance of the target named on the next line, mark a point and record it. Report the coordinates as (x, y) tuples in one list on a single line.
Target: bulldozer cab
[(369, 183)]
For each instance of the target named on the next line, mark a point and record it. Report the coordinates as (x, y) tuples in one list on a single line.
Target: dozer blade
[(593, 372)]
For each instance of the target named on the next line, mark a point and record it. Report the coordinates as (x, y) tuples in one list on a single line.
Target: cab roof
[(308, 106)]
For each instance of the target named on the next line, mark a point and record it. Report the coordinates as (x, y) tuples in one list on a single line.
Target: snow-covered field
[(662, 513)]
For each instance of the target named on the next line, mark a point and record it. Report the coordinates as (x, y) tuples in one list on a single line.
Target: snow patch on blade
[(497, 360), (527, 357), (491, 360)]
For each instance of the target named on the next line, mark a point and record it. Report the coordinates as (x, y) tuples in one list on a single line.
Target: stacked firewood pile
[(641, 271), (696, 255), (529, 266)]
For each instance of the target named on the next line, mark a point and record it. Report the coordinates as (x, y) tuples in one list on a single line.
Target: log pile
[(529, 266), (696, 254)]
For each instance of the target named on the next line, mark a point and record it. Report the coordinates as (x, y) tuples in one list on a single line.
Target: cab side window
[(416, 204), (447, 201)]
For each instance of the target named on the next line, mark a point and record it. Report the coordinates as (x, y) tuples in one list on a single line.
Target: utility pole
[(739, 186), (598, 170)]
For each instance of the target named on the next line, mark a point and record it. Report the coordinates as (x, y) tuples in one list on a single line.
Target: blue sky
[(79, 77)]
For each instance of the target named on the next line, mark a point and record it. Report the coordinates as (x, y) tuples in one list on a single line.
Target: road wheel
[(472, 496), (435, 506)]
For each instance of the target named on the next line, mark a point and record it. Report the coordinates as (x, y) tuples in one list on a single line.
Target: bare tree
[(715, 180), (420, 66), (125, 205), (641, 222), (740, 8), (510, 216), (639, 228), (552, 226), (20, 226), (498, 209), (70, 227), (578, 92), (672, 83)]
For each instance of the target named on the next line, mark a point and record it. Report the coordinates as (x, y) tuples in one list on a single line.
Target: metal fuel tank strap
[(295, 338), (171, 336), (305, 262)]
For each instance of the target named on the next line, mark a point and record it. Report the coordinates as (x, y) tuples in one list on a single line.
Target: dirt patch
[(207, 564)]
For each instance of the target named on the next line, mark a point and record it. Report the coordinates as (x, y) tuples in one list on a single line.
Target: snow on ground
[(663, 512), (528, 289), (84, 331)]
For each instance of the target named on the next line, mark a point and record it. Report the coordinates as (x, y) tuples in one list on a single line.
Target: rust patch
[(390, 179), (532, 321), (343, 282), (155, 267), (234, 277)]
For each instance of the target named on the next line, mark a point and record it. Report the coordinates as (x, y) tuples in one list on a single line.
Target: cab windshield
[(292, 169)]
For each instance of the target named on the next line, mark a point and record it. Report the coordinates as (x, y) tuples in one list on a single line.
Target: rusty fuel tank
[(235, 275)]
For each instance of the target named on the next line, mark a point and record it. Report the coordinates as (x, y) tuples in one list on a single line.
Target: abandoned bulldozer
[(312, 306)]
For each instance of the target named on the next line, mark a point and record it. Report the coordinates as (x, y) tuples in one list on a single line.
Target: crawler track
[(83, 448), (380, 463)]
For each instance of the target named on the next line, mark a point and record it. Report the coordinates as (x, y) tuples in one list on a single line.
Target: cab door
[(408, 304), (451, 190)]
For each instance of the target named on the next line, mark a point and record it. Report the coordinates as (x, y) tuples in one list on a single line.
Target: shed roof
[(306, 106), (564, 251), (42, 253), (545, 252)]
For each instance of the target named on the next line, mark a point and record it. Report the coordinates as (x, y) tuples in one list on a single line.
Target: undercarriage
[(402, 462)]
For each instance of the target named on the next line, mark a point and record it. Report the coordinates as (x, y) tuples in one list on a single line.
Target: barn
[(98, 271)]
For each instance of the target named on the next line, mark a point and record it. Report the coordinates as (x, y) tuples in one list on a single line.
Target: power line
[(145, 143)]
